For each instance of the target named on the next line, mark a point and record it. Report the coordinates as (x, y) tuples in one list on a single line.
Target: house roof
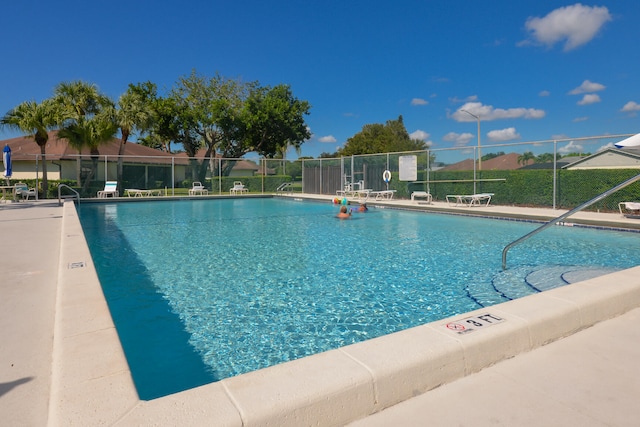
[(610, 158), (25, 148), (504, 162)]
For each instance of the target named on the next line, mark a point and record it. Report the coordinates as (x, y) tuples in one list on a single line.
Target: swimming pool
[(202, 290)]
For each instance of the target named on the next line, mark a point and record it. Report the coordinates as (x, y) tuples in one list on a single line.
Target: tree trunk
[(123, 141), (45, 180)]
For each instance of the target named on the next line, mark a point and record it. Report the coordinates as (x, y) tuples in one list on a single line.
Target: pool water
[(207, 289)]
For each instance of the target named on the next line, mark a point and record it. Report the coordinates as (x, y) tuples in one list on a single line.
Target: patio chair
[(110, 189), (198, 188), (631, 209), (470, 199), (23, 191), (423, 194), (238, 188)]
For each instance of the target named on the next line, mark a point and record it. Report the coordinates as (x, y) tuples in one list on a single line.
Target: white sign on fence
[(408, 166)]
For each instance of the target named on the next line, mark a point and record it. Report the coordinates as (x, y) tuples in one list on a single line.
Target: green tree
[(377, 138), (232, 118), (36, 120), (273, 120), (525, 157), (544, 158), (87, 120), (207, 116), (165, 127), (134, 113)]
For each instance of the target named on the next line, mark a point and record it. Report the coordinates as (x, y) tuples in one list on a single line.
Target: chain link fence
[(558, 174)]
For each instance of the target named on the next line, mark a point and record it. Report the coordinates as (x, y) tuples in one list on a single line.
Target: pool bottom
[(92, 383)]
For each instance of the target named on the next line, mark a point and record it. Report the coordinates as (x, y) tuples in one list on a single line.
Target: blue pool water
[(207, 289)]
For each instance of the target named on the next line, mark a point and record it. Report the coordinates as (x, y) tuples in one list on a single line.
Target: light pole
[(479, 152)]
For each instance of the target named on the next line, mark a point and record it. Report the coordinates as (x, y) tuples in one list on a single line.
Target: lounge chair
[(383, 195), (198, 188), (422, 194), (238, 188), (23, 191), (481, 199), (631, 209), (136, 192), (110, 189)]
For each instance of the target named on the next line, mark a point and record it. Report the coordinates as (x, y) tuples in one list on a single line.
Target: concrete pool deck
[(575, 347)]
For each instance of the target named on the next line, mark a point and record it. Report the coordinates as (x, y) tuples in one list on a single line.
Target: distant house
[(504, 162), (143, 166), (610, 158), (561, 163), (65, 162)]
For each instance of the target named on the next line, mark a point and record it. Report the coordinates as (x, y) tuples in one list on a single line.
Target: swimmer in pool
[(343, 213), (363, 207)]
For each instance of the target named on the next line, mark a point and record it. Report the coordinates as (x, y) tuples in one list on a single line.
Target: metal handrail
[(284, 185), (77, 195), (565, 215)]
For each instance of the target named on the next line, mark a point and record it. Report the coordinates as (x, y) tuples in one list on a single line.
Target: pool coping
[(91, 382)]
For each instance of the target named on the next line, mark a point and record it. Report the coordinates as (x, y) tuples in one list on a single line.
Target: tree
[(87, 120), (376, 138), (232, 118), (207, 116), (36, 120), (134, 112), (525, 157), (274, 121), (544, 158)]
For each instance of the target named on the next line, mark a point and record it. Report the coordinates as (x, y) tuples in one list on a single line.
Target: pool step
[(521, 281)]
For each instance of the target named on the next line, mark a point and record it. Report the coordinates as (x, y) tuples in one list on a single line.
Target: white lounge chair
[(238, 188), (481, 199), (198, 188), (631, 209), (23, 191), (110, 189), (421, 194)]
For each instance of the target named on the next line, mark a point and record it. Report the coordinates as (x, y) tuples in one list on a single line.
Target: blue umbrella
[(6, 159)]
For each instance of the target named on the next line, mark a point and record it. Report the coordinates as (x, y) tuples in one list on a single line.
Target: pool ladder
[(285, 186), (565, 215), (75, 194)]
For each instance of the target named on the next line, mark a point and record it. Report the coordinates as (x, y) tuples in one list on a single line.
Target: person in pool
[(343, 213), (363, 207)]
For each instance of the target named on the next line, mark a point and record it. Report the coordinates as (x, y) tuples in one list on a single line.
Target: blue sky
[(531, 70)]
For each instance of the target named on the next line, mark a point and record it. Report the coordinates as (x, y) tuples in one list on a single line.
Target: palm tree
[(80, 99), (89, 132), (87, 119), (525, 158), (133, 113), (36, 120)]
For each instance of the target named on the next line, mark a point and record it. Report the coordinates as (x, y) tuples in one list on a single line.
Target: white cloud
[(571, 147), (420, 135), (590, 98), (580, 119), (630, 107), (587, 86), (574, 25), (328, 139), (487, 113), (544, 93), (458, 139), (419, 101), (508, 134)]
